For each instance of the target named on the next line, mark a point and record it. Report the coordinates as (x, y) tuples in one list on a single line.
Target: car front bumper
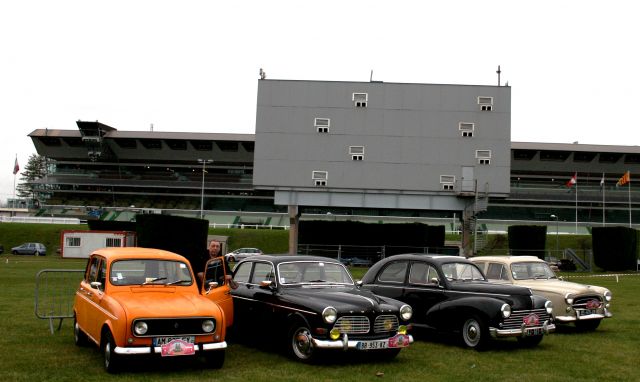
[(345, 343), (573, 317), (158, 350), (546, 328)]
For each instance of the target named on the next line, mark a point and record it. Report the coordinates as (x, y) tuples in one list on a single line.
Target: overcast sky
[(192, 66)]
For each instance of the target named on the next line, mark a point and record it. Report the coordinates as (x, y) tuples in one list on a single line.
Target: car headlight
[(329, 315), (549, 307), (406, 312), (505, 309), (568, 298), (608, 296), (208, 326), (140, 328)]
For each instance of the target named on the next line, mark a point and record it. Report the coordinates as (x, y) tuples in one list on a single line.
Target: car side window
[(242, 272), (395, 272), (92, 271), (102, 275), (419, 273), (261, 272), (214, 272), (496, 272)]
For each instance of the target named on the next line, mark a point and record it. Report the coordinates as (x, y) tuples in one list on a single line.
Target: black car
[(450, 294), (310, 304)]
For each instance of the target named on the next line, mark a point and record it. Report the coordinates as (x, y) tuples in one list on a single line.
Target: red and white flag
[(16, 167), (572, 182)]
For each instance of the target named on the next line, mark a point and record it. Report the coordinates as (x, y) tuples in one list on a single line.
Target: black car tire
[(530, 341), (474, 332), (214, 359), (588, 325), (14, 252), (79, 337), (111, 359), (300, 344)]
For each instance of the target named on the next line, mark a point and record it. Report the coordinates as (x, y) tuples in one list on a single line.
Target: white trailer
[(80, 244)]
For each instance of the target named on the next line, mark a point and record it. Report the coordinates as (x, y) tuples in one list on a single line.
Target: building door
[(467, 181)]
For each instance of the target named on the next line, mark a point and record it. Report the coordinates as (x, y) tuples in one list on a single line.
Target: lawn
[(30, 352)]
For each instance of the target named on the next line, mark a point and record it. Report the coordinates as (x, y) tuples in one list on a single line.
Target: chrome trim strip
[(276, 305), (158, 349)]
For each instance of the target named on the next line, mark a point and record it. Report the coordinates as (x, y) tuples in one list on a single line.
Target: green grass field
[(29, 352)]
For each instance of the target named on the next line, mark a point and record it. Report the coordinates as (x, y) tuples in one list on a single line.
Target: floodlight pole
[(204, 164)]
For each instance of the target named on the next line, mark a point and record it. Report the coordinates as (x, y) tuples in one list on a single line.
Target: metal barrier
[(55, 291)]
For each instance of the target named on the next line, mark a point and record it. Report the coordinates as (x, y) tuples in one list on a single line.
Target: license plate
[(397, 341), (533, 332), (177, 347), (586, 312), (159, 341)]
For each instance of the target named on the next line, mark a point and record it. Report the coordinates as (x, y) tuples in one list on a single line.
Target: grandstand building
[(341, 148)]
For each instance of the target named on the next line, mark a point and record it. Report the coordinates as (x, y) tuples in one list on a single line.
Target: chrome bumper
[(345, 343), (574, 317), (158, 349), (547, 328)]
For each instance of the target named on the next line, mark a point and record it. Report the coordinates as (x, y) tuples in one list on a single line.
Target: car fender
[(449, 313)]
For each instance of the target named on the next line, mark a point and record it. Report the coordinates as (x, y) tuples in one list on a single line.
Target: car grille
[(388, 323), (516, 320), (173, 326), (581, 302), (353, 324)]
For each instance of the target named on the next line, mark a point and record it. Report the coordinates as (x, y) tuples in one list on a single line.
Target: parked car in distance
[(311, 304), (140, 301), (35, 249), (583, 305), (450, 294), (356, 261), (1, 249), (242, 253)]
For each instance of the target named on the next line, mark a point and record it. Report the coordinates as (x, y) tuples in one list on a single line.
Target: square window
[(484, 161), (466, 128), (319, 178), (360, 99), (447, 187), (357, 157)]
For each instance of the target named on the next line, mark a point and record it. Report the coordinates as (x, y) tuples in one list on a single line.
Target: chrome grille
[(581, 302), (388, 323), (353, 324), (516, 320)]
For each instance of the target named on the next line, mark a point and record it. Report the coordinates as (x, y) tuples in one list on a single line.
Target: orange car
[(146, 301)]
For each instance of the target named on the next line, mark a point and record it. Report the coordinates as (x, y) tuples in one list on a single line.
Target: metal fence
[(55, 291)]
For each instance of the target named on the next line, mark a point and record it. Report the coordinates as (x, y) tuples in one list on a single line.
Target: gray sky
[(192, 66)]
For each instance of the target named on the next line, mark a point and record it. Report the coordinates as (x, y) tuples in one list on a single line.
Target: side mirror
[(359, 283), (211, 285), (96, 284), (266, 284), (434, 280)]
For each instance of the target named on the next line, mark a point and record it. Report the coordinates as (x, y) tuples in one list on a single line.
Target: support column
[(294, 218)]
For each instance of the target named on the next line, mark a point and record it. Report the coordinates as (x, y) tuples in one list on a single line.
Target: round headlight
[(568, 298), (406, 312), (608, 296), (329, 315), (505, 309), (208, 326), (549, 307), (140, 328)]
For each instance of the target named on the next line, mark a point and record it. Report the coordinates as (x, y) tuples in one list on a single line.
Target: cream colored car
[(584, 305)]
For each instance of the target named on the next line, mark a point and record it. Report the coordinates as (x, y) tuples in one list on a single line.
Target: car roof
[(508, 259), (288, 258), (118, 253), (424, 256)]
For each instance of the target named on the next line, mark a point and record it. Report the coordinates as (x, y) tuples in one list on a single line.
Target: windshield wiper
[(178, 282), (154, 280)]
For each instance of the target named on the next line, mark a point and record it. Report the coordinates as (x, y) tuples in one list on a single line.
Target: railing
[(54, 294), (367, 255), (38, 219)]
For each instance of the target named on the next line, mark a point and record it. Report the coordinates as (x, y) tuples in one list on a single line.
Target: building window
[(447, 182), (322, 124), (319, 178), (73, 241), (486, 103), (360, 99), (113, 242), (483, 157), (466, 128), (356, 152)]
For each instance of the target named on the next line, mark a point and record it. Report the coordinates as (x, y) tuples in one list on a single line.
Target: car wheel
[(214, 359), (14, 252), (587, 326), (36, 253), (79, 337), (300, 342), (474, 333), (530, 341), (111, 359)]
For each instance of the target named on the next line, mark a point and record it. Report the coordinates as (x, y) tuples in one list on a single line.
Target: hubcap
[(302, 343)]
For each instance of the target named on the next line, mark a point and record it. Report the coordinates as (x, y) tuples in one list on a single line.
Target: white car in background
[(583, 305), (242, 253)]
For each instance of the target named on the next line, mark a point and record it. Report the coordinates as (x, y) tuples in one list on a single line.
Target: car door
[(91, 313), (220, 291), (390, 280), (423, 290), (251, 302)]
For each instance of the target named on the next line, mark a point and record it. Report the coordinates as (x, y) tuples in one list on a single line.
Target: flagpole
[(629, 202), (576, 203), (603, 191)]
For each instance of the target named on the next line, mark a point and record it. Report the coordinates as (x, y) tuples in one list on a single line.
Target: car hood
[(561, 287), (163, 302), (349, 299)]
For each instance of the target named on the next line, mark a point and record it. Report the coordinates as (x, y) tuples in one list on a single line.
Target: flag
[(16, 167), (573, 180), (626, 178)]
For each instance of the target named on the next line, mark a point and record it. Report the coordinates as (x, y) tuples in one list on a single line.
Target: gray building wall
[(410, 134)]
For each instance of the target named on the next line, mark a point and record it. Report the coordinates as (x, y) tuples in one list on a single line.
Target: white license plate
[(159, 341), (586, 312), (370, 345), (533, 332)]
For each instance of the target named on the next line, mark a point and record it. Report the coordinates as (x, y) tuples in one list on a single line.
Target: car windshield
[(313, 273), (461, 272), (531, 270), (149, 272)]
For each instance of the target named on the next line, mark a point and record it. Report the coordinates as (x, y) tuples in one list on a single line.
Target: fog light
[(568, 309), (334, 334), (402, 329)]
